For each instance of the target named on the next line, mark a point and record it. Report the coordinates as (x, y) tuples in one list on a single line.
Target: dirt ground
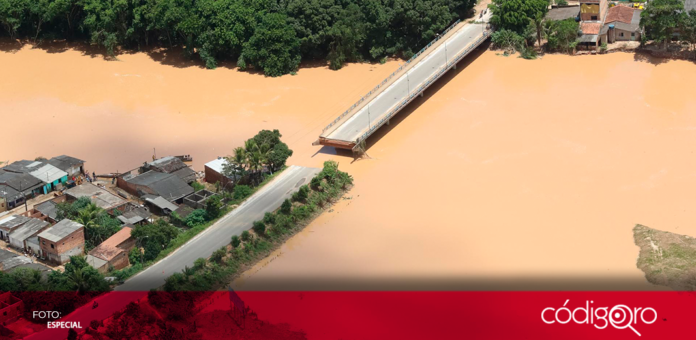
[(668, 259)]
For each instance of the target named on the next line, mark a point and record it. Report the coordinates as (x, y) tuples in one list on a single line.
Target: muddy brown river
[(507, 170)]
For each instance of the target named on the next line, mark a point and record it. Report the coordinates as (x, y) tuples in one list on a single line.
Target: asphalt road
[(415, 75), (269, 198)]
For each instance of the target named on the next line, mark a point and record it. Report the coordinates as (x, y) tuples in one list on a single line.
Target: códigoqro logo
[(619, 316)]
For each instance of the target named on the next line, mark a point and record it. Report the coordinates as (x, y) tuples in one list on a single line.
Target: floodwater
[(507, 170)]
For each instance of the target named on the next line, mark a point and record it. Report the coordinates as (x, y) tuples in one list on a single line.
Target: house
[(100, 197), (563, 13), (71, 165), (198, 199), (159, 205), (621, 24), (15, 187), (63, 240), (171, 165), (169, 186), (9, 260), (50, 176), (214, 173), (113, 252), (593, 10), (11, 308), (29, 229), (590, 35), (134, 214), (11, 223)]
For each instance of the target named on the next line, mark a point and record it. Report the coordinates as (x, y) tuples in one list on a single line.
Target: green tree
[(235, 241), (213, 207), (661, 18), (561, 34), (259, 228), (286, 207), (241, 191), (516, 15), (246, 236), (274, 46), (195, 218)]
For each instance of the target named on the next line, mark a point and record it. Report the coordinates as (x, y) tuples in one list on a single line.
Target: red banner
[(401, 315)]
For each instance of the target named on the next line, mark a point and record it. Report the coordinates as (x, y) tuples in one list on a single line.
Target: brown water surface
[(507, 168)]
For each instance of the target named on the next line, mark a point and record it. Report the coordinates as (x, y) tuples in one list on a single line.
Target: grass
[(666, 258), (189, 234)]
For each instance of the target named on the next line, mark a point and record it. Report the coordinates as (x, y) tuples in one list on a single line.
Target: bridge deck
[(409, 80)]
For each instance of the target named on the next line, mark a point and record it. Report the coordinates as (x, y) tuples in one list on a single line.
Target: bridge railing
[(386, 80), (422, 88)]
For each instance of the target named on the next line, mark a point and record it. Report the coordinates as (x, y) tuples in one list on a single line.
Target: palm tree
[(78, 280)]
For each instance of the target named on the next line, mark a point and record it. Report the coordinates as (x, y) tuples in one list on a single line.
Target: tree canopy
[(268, 35)]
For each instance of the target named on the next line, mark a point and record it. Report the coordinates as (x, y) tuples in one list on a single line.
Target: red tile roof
[(590, 27), (108, 249), (620, 13)]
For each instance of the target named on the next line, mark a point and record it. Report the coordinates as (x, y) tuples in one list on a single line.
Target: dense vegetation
[(99, 225), (325, 187), (270, 35), (519, 24), (260, 154), (662, 18)]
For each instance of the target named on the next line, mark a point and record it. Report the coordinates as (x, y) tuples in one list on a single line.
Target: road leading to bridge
[(268, 198), (410, 80)]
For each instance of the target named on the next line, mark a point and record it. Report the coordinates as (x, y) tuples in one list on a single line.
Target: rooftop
[(689, 5), (101, 197), (9, 194), (6, 254), (48, 173), (562, 13), (29, 229), (167, 164), (13, 221), (19, 181), (60, 230), (48, 208), (623, 14), (168, 186), (94, 261), (134, 215), (160, 202), (108, 249), (64, 162), (23, 166), (217, 164), (590, 28)]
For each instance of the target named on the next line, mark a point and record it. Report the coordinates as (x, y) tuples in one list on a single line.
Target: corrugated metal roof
[(29, 228), (217, 164), (48, 173), (60, 230)]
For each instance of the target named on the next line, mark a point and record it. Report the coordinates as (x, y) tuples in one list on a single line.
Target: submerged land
[(507, 167)]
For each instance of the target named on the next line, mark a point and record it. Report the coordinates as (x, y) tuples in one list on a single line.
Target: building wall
[(120, 261), (33, 247), (71, 245), (3, 205), (14, 309), (616, 36), (212, 176), (596, 10)]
